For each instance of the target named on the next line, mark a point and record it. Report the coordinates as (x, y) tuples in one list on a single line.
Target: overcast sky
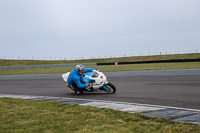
[(97, 28)]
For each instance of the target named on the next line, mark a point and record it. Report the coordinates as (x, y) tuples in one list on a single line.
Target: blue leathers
[(74, 77)]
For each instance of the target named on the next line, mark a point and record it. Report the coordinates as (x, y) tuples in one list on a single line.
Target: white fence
[(93, 57)]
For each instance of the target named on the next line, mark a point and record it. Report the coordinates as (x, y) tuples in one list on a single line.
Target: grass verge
[(107, 60), (108, 68), (17, 115)]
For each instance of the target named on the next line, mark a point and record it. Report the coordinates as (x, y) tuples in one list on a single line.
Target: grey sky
[(97, 28)]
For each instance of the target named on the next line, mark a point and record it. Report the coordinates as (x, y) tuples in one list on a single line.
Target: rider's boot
[(77, 91)]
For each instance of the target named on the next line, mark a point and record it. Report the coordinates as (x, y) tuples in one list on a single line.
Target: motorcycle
[(97, 79)]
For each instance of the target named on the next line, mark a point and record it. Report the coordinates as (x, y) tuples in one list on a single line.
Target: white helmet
[(80, 69)]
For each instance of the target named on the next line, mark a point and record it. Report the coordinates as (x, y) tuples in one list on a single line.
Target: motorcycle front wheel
[(110, 88)]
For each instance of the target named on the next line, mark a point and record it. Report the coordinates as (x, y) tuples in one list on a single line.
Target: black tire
[(111, 88)]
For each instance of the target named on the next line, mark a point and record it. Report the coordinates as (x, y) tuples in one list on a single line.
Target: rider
[(74, 79)]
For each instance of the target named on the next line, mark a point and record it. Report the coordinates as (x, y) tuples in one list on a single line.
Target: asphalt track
[(176, 88)]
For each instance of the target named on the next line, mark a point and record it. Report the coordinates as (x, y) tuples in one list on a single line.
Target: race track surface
[(176, 88)]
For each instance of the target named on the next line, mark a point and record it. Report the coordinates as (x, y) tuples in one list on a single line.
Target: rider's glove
[(88, 85)]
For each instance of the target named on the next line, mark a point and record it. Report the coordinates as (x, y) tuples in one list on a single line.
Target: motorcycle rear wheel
[(111, 88)]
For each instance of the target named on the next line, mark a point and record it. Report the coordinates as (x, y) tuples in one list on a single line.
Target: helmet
[(80, 69)]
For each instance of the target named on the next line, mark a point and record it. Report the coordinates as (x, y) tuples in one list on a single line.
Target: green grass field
[(20, 116), (133, 67), (122, 59), (108, 68)]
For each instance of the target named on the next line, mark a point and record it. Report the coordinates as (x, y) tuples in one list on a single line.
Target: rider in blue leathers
[(74, 79)]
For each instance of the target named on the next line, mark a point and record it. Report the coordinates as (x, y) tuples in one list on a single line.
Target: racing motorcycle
[(97, 79)]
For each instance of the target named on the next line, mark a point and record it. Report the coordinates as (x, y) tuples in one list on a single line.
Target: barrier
[(153, 61)]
